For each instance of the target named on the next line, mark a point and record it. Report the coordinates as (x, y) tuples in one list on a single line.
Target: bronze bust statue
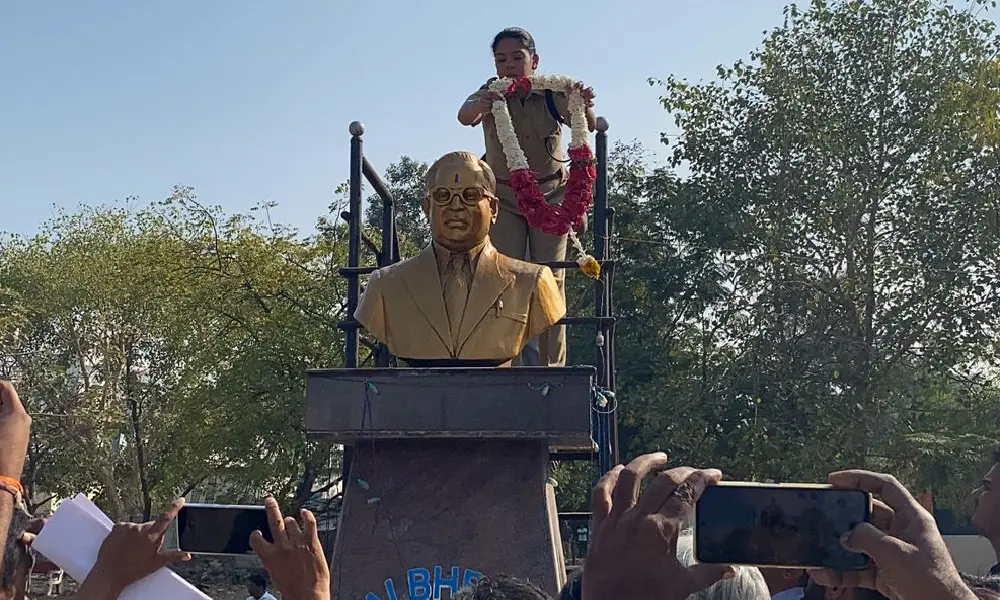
[(460, 302)]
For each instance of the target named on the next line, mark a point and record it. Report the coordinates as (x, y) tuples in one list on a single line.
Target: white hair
[(748, 584)]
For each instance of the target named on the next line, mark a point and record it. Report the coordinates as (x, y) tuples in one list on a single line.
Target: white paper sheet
[(84, 502), (72, 539)]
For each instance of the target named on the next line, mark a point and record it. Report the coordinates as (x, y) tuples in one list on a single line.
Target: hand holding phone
[(292, 555), (131, 552), (633, 535), (910, 557), (295, 560)]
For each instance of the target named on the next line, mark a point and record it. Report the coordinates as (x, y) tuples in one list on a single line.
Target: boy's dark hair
[(259, 580), (501, 587), (515, 33), (14, 550)]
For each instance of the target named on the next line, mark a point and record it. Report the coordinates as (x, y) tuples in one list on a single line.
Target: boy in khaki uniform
[(538, 119)]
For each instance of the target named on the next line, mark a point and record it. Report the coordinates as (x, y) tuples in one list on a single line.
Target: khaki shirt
[(540, 135)]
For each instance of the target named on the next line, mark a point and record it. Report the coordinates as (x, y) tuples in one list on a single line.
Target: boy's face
[(512, 60)]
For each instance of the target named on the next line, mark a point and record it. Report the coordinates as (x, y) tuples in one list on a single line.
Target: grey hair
[(748, 584)]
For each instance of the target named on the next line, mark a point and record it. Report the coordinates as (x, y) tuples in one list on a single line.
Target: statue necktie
[(457, 280)]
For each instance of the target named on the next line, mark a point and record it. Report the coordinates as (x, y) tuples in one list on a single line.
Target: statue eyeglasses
[(469, 196)]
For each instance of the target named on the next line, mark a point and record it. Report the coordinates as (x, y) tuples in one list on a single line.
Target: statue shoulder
[(523, 269), (394, 271)]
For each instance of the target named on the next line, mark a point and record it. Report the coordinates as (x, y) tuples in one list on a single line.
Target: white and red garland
[(553, 219)]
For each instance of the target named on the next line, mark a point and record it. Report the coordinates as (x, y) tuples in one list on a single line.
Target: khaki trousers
[(512, 236)]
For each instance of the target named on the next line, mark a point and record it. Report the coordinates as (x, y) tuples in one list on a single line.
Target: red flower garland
[(555, 219)]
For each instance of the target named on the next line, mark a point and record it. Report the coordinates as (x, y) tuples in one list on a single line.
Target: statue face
[(459, 208)]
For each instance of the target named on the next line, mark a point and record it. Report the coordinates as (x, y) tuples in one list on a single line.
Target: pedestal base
[(425, 516)]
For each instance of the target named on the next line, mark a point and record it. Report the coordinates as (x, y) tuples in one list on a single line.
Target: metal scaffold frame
[(605, 422)]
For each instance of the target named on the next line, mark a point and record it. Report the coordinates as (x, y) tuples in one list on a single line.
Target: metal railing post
[(357, 129), (602, 429)]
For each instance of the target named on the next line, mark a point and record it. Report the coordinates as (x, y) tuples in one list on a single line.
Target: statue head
[(461, 201)]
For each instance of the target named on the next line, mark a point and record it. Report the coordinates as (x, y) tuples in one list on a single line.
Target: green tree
[(164, 351), (405, 180), (845, 178)]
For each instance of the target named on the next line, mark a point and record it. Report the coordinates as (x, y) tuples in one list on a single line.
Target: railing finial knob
[(357, 128), (602, 124)]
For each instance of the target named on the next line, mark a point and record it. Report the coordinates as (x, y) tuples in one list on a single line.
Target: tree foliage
[(164, 351), (845, 181)]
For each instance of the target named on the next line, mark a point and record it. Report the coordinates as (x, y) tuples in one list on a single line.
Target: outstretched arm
[(471, 112), (15, 427), (477, 106)]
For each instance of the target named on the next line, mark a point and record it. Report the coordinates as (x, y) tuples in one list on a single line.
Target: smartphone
[(787, 525), (219, 529)]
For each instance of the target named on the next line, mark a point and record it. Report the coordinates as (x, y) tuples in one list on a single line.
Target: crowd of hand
[(295, 559), (632, 555), (633, 549)]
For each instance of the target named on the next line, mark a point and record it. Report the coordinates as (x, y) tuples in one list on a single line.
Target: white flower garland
[(579, 130), (579, 136)]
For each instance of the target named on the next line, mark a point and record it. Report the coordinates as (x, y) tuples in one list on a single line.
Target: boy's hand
[(587, 92), (487, 99)]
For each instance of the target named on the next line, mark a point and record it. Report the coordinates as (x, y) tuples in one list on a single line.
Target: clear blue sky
[(250, 100)]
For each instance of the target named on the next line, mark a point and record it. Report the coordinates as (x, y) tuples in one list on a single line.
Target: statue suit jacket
[(510, 302)]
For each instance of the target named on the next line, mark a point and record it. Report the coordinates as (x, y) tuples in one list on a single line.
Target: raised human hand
[(295, 560), (911, 561), (587, 93), (15, 429), (486, 100), (131, 552), (632, 555)]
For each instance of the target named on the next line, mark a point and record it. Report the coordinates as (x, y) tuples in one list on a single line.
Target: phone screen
[(220, 529), (779, 526)]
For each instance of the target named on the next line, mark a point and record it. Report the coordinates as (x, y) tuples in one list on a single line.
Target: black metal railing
[(603, 320)]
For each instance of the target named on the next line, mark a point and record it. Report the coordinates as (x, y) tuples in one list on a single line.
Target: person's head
[(514, 53), (748, 584), (986, 517), (461, 201), (986, 587), (257, 585), (501, 587)]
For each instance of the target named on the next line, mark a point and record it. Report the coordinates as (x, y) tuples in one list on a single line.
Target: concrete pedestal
[(449, 477)]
